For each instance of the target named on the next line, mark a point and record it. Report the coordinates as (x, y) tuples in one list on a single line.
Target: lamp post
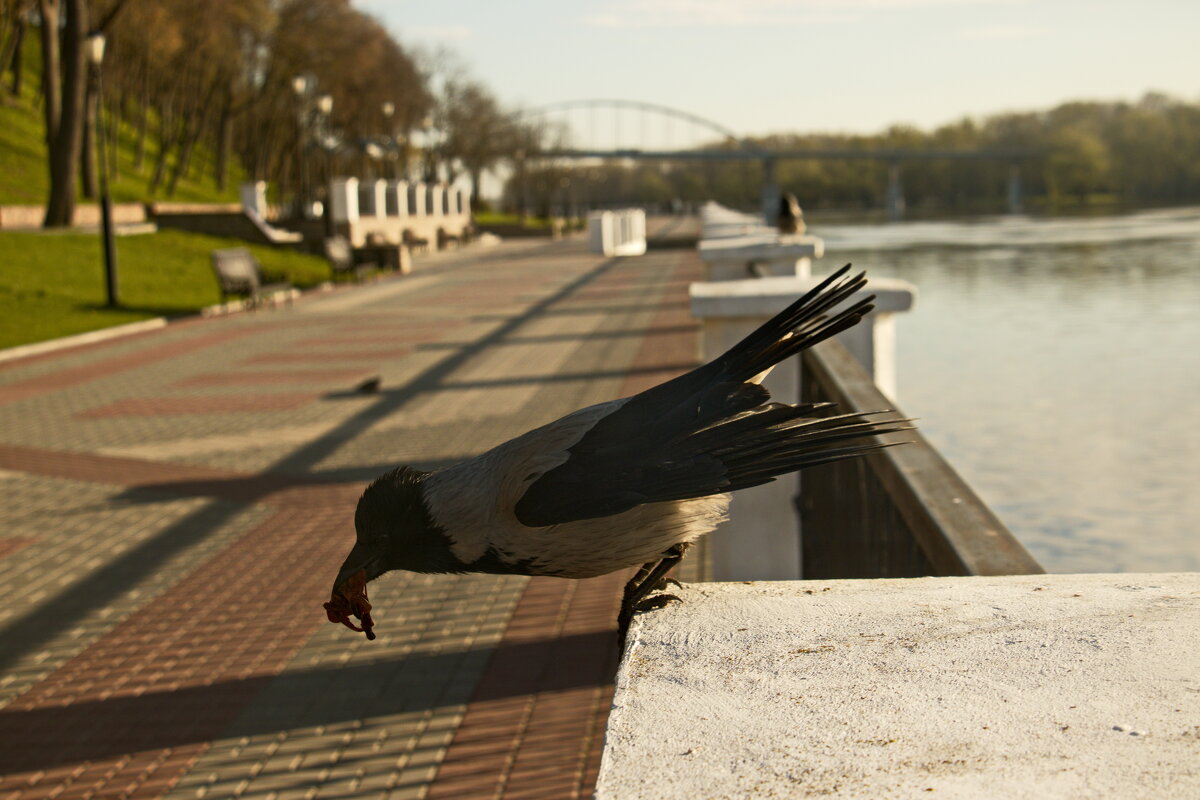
[(300, 85), (95, 55), (389, 109)]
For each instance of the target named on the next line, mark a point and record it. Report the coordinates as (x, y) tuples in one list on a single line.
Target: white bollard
[(617, 233)]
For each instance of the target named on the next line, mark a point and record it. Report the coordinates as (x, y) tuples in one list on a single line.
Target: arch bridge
[(635, 130)]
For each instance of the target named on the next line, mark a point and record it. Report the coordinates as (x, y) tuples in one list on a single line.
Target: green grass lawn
[(52, 284)]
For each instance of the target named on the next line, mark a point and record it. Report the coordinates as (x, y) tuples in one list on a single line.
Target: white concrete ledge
[(764, 297), (761, 248), (1045, 686)]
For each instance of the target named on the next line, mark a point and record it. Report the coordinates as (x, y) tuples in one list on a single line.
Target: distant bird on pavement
[(620, 484), (370, 385)]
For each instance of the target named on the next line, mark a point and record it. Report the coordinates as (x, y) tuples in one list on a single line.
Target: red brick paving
[(274, 376), (526, 732), (177, 673), (133, 712), (214, 404), (12, 544), (184, 480), (326, 355), (106, 367)]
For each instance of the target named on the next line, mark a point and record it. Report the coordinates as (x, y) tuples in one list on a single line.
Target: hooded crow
[(625, 483)]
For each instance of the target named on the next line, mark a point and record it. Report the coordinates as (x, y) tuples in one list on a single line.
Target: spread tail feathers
[(799, 326)]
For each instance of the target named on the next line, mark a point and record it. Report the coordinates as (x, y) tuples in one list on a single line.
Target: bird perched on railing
[(619, 484)]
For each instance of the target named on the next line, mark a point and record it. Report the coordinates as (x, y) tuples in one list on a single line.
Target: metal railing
[(901, 512)]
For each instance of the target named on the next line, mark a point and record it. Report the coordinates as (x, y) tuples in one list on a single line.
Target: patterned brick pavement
[(177, 502)]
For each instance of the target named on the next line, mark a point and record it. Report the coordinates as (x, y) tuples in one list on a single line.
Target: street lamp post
[(95, 54), (300, 85), (389, 109)]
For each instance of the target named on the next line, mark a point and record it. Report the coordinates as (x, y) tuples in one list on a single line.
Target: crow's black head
[(394, 530)]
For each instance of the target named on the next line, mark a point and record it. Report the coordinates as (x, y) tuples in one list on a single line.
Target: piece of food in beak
[(350, 597)]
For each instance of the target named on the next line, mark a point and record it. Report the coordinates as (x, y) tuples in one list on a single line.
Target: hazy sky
[(762, 66)]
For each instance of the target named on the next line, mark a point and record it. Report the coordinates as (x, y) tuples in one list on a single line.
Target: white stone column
[(343, 199)]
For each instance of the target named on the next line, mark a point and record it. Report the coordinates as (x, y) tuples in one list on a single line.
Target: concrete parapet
[(736, 257), (1037, 687)]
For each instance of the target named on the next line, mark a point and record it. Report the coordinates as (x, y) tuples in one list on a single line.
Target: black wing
[(710, 430)]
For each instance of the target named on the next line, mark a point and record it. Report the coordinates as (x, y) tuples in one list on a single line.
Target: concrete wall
[(1026, 688), (86, 215)]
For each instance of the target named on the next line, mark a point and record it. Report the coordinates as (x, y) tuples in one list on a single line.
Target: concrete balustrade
[(758, 256), (759, 540), (385, 211), (617, 233)]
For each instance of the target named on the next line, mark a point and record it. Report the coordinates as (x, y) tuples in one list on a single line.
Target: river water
[(1056, 365)]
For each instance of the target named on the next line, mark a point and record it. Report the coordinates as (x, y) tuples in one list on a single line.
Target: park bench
[(342, 261), (413, 242), (239, 275)]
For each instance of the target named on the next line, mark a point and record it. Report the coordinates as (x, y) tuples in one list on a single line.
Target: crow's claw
[(664, 582), (657, 601)]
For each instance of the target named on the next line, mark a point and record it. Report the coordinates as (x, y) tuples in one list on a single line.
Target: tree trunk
[(168, 134), (190, 137), (51, 69), (65, 146), (476, 177), (12, 53), (139, 153), (224, 141)]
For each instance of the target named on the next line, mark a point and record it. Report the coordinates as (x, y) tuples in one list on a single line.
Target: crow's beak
[(350, 591)]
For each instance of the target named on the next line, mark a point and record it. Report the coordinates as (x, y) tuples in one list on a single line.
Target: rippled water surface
[(1056, 365)]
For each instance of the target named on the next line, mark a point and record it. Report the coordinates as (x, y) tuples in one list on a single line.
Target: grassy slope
[(24, 178), (52, 284)]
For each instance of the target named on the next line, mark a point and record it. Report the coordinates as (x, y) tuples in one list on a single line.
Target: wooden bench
[(239, 275), (341, 259)]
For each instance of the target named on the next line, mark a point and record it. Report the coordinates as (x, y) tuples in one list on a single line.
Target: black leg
[(649, 577)]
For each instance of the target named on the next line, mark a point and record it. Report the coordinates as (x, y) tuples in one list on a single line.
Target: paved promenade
[(177, 502)]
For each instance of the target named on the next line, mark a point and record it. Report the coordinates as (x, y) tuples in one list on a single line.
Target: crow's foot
[(651, 577), (656, 601)]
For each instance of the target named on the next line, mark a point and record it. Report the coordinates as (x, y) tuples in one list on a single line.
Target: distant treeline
[(1116, 153)]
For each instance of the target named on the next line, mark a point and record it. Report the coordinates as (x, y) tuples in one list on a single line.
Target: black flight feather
[(711, 430)]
